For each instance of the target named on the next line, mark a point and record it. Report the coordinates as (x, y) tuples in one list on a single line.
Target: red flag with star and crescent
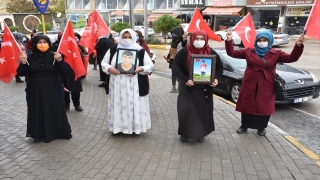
[(246, 30), (70, 49), (95, 29), (9, 56), (197, 23)]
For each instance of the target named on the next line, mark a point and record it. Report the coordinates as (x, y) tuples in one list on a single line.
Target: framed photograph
[(126, 60), (202, 68)]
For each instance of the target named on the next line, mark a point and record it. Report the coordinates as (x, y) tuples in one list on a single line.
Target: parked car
[(279, 38), (141, 29), (300, 85), (223, 35)]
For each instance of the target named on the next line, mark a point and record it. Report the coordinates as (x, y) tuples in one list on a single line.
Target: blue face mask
[(137, 39), (174, 35)]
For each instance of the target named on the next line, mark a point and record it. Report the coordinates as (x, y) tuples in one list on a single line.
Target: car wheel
[(234, 92), (220, 37)]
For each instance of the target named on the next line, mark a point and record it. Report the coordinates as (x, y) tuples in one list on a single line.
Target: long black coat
[(195, 104), (68, 80)]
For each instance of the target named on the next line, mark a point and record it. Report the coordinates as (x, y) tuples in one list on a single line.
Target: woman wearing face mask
[(256, 98), (142, 42), (177, 34), (47, 119), (75, 87), (195, 102), (128, 103)]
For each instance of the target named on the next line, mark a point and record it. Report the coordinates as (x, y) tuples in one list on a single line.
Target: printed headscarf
[(265, 34), (193, 50), (39, 56), (134, 45)]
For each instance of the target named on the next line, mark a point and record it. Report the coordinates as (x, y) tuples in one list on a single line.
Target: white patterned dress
[(127, 111)]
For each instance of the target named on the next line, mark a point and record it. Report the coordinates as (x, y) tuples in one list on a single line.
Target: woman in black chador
[(47, 119)]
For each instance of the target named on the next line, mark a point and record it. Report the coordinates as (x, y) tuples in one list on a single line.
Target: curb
[(289, 138), (159, 46)]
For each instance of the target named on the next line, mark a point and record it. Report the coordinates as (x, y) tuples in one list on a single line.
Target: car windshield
[(237, 63)]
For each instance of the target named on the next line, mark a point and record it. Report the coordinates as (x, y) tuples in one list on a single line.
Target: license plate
[(298, 100)]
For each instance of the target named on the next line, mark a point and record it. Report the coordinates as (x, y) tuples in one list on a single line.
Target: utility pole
[(145, 19), (131, 12)]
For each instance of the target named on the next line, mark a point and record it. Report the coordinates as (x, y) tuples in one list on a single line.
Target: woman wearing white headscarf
[(128, 103)]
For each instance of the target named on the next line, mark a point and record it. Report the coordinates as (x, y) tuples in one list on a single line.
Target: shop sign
[(192, 3), (182, 12), (221, 3), (278, 2), (298, 11)]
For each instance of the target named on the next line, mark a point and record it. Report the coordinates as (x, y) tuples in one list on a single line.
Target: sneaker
[(173, 90), (241, 130)]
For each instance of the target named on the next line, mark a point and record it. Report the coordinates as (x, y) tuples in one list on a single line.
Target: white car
[(223, 35), (141, 29)]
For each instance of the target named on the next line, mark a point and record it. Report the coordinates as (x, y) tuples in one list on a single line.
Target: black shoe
[(67, 108), (262, 132), (183, 139), (19, 81), (102, 85), (134, 135), (201, 140), (241, 130), (78, 108)]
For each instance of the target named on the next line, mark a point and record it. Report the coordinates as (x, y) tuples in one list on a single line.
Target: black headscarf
[(39, 56)]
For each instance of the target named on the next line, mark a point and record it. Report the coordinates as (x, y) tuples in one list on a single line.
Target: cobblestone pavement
[(93, 153)]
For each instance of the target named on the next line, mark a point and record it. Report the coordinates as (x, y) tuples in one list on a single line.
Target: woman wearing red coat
[(257, 97)]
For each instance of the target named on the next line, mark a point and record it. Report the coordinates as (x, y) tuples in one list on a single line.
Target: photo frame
[(126, 61), (202, 68)]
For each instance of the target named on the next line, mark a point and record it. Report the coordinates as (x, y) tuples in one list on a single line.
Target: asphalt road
[(301, 120)]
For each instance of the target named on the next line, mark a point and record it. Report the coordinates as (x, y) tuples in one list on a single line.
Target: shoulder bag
[(279, 83)]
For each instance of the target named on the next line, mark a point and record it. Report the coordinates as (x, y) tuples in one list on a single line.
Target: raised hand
[(57, 56), (23, 57), (229, 35), (300, 40)]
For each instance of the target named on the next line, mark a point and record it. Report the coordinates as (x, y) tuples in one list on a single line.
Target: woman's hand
[(229, 35), (23, 57), (189, 83), (57, 56), (139, 69), (215, 83), (300, 40), (185, 36), (113, 71)]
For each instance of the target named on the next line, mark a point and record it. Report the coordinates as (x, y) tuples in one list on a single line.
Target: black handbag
[(279, 83)]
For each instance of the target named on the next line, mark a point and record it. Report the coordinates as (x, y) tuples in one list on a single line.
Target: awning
[(222, 11), (155, 16)]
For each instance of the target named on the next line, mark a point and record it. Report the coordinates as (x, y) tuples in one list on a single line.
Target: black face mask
[(175, 41)]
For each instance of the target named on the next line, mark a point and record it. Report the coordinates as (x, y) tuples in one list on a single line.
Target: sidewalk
[(93, 153)]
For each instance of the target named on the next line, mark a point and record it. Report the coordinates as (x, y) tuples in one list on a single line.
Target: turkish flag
[(70, 49), (313, 24), (9, 56), (95, 28), (246, 30), (197, 23)]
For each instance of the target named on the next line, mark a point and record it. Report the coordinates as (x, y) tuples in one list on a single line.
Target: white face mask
[(127, 41), (262, 44), (199, 44)]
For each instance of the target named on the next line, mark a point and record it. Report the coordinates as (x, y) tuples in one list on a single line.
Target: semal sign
[(193, 3)]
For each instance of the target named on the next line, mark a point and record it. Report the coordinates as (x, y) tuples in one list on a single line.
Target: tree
[(165, 24), (58, 8), (21, 6), (119, 26), (47, 25)]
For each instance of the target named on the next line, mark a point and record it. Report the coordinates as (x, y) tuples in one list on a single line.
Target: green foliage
[(165, 24), (21, 6), (58, 8), (14, 28), (119, 26), (156, 41), (47, 25)]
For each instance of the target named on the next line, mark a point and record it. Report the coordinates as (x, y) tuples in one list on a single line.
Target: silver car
[(279, 38)]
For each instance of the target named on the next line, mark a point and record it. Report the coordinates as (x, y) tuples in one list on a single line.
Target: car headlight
[(314, 78)]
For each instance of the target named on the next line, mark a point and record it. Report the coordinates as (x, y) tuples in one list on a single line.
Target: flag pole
[(307, 23), (14, 39)]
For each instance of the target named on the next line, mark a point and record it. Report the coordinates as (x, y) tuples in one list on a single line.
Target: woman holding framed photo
[(128, 103), (195, 102)]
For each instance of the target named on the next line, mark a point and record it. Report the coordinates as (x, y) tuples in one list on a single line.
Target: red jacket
[(257, 95)]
